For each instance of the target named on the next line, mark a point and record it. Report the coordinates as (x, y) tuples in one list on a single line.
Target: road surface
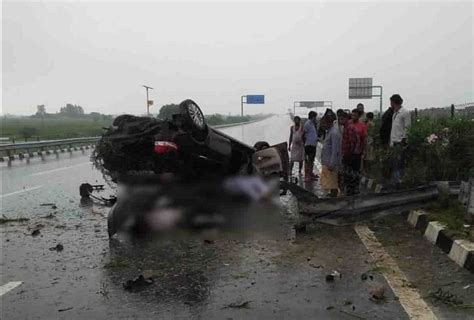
[(228, 279)]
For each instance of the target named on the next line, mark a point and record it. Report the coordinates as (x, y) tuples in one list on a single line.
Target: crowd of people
[(348, 145)]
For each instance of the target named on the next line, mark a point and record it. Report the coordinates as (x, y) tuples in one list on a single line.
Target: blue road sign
[(255, 99)]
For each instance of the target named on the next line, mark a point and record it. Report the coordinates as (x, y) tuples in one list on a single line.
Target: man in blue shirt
[(310, 143)]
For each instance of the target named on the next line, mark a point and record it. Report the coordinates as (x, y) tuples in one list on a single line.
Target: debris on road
[(35, 231), (65, 309), (138, 284), (207, 241), (329, 307), (48, 216), (329, 278), (378, 293), (243, 305), (59, 247), (334, 274), (446, 297), (4, 219), (352, 314), (347, 302), (364, 277), (47, 204)]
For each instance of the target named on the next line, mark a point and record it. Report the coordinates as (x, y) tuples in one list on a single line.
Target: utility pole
[(147, 100)]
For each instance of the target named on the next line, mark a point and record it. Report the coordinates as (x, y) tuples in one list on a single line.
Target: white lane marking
[(59, 169), (9, 286), (409, 298), (19, 191)]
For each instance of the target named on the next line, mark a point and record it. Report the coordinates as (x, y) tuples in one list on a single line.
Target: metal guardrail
[(8, 150), (46, 143)]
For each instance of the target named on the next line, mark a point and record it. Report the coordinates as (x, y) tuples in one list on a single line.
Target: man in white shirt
[(401, 120)]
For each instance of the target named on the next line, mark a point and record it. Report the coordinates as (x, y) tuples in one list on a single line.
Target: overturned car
[(160, 154)]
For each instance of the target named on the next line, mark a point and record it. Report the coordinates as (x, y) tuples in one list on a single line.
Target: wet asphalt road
[(228, 279)]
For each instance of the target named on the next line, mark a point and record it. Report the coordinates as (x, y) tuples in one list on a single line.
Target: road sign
[(150, 103), (255, 99), (360, 88)]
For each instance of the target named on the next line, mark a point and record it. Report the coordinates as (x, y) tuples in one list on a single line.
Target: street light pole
[(147, 100)]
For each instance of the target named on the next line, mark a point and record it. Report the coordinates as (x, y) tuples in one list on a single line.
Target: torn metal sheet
[(362, 207)]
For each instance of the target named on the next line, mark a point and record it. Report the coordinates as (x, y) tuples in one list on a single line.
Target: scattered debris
[(316, 266), (48, 216), (364, 277), (65, 309), (378, 293), (334, 274), (138, 284), (35, 232), (58, 248), (446, 297), (4, 219), (466, 287), (243, 305), (352, 314), (47, 204), (329, 307), (104, 290), (240, 275), (329, 278), (408, 284), (347, 302), (207, 241)]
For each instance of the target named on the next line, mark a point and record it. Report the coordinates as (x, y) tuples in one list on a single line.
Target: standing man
[(386, 127), (401, 121), (356, 158), (331, 156), (295, 145), (310, 143), (349, 143), (360, 107)]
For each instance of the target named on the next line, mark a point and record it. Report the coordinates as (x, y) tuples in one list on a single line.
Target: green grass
[(450, 213), (53, 128)]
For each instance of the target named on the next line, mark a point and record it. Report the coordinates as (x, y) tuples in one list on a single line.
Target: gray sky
[(99, 54)]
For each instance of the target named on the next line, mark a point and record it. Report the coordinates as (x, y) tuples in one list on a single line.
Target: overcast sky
[(98, 55)]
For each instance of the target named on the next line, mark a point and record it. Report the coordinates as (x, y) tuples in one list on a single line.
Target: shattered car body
[(164, 159), (184, 147)]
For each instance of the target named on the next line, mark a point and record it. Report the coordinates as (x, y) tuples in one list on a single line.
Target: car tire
[(194, 120)]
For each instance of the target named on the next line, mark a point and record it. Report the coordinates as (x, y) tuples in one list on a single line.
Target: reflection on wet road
[(218, 279)]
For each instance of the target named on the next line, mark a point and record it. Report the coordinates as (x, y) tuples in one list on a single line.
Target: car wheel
[(194, 120)]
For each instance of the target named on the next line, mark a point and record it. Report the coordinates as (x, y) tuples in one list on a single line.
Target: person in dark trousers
[(331, 155), (356, 158), (401, 121), (349, 144), (386, 127), (310, 143), (369, 151)]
